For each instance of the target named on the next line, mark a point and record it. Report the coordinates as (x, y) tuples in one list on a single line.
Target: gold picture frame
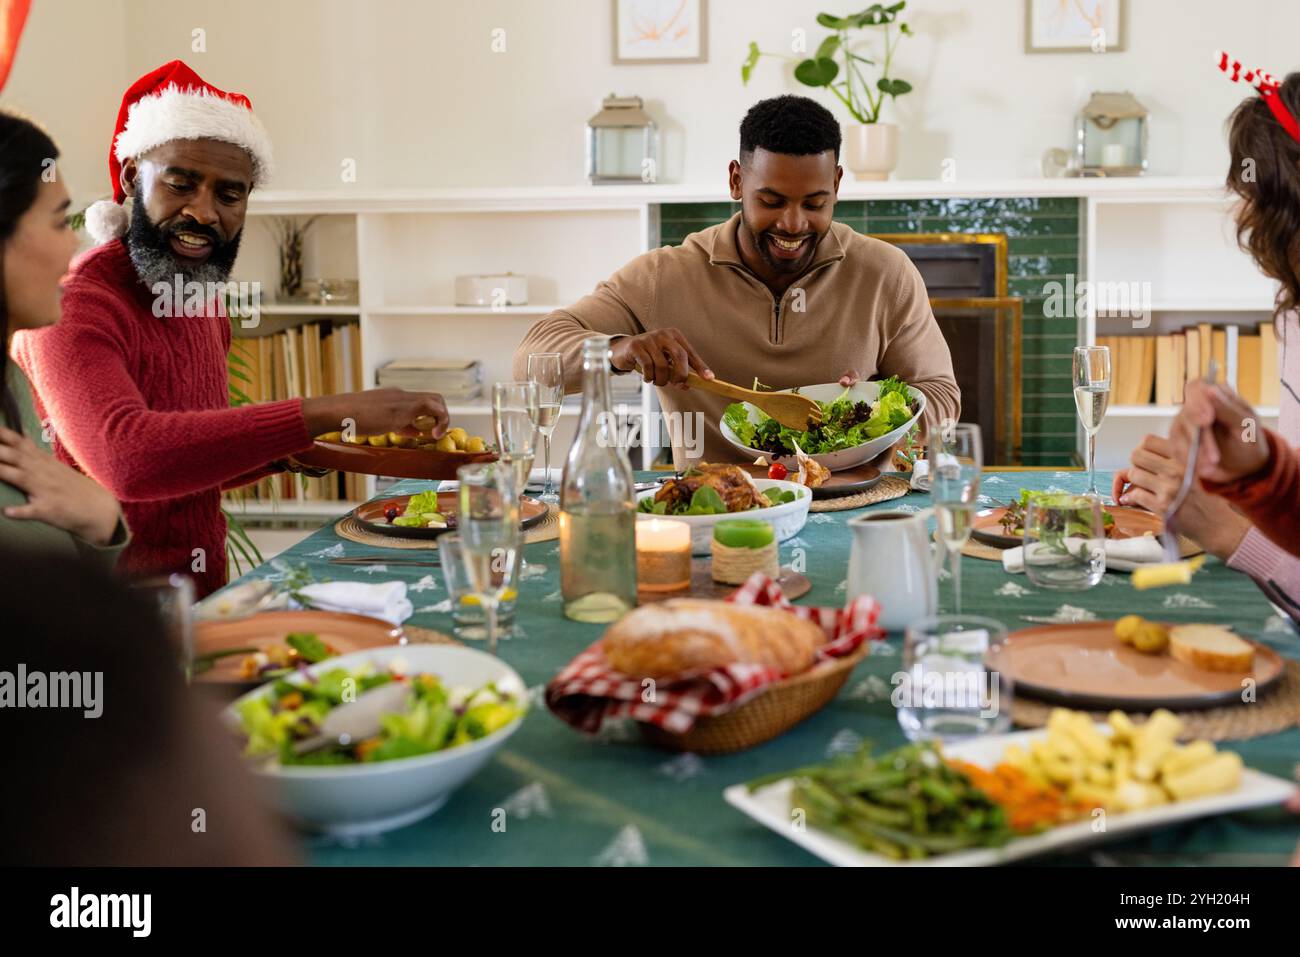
[(695, 13)]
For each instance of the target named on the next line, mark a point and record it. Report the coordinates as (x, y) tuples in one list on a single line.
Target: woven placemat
[(548, 529), (978, 549), (427, 636), (1277, 709), (887, 489)]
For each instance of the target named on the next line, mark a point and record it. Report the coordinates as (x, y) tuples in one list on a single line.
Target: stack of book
[(314, 359), (452, 378), (1146, 369)]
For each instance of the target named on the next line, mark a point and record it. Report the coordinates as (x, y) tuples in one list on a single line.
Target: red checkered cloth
[(588, 690)]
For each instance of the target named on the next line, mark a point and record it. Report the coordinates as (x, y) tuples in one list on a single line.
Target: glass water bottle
[(597, 505)]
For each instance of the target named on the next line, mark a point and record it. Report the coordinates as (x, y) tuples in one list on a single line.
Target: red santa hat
[(174, 103)]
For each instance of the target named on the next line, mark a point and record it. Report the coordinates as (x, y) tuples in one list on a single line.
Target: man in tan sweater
[(779, 291)]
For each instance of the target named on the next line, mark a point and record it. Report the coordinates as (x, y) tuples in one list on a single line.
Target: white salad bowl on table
[(369, 798), (844, 458), (786, 519)]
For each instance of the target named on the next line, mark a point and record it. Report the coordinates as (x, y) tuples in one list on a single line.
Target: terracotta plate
[(1130, 522), (1084, 665), (397, 463), (344, 632), (846, 482), (371, 515)]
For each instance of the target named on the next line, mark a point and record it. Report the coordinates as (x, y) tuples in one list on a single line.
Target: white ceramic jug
[(891, 560)]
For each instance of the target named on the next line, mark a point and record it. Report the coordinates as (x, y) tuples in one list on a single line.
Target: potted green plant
[(870, 146)]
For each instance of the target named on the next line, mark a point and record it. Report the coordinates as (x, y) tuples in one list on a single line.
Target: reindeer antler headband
[(1268, 88)]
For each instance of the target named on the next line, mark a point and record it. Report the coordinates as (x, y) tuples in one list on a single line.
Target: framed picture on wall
[(661, 31), (1074, 26)]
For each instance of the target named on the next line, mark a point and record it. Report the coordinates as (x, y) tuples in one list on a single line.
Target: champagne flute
[(547, 370), (956, 454), (515, 414), (1091, 396), (490, 539)]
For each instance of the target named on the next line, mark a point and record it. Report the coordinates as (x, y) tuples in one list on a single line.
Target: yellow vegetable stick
[(1124, 728), (1087, 737), (1221, 774), (1166, 573), (1184, 759)]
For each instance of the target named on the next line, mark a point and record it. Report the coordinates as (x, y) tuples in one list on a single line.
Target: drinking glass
[(547, 370), (514, 420), (173, 597), (952, 687), (1065, 542), (490, 538), (466, 609), (956, 456), (1091, 396)]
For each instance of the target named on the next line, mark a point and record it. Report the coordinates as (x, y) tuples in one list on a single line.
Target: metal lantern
[(622, 143), (1111, 133)]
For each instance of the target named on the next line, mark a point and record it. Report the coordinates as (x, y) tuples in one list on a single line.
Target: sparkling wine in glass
[(956, 456), (515, 414), (547, 370), (490, 538), (1091, 396)]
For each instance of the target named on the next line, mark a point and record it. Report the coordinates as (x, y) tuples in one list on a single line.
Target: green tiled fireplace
[(1043, 243)]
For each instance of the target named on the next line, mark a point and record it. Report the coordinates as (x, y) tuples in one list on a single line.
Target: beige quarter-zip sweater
[(860, 305)]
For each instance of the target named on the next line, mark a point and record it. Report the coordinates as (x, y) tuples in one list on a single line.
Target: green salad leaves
[(845, 423)]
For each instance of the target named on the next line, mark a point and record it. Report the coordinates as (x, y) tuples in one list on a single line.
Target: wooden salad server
[(791, 410)]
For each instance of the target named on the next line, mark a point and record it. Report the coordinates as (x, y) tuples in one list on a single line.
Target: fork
[(1169, 537)]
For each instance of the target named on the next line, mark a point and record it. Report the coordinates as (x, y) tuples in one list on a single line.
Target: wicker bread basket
[(771, 713)]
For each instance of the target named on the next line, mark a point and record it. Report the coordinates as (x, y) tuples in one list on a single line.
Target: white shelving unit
[(1180, 240), (405, 248)]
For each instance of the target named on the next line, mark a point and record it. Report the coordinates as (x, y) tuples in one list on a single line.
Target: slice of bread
[(1210, 647)]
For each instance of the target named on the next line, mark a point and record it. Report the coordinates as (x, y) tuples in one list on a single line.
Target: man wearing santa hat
[(137, 397)]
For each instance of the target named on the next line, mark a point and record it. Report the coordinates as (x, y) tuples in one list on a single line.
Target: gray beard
[(154, 265)]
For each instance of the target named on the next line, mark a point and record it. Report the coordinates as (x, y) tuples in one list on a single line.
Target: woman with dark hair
[(1264, 173), (44, 504)]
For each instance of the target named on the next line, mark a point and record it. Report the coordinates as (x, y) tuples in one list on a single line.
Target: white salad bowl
[(786, 519), (369, 798), (844, 458)]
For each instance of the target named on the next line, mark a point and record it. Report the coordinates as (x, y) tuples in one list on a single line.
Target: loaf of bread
[(683, 635), (1210, 647)]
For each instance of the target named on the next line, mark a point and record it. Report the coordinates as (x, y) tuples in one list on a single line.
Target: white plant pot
[(871, 149)]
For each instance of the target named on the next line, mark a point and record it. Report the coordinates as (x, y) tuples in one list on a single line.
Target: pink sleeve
[(80, 372), (1272, 567)]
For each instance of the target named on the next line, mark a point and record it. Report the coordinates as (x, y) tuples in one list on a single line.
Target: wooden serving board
[(390, 461)]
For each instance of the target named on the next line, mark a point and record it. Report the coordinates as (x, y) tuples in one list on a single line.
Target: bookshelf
[(405, 251), (1196, 291)]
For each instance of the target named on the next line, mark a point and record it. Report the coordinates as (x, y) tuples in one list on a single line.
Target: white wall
[(69, 74), (411, 90)]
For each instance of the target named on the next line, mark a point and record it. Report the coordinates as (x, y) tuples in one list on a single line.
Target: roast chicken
[(732, 483)]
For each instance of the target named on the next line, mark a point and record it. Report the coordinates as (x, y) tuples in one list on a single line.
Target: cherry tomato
[(778, 472), (391, 512)]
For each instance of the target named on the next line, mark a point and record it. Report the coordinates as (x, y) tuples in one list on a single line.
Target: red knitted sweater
[(141, 405)]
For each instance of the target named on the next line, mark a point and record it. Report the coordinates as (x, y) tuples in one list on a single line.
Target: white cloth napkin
[(386, 600), (1124, 554), (920, 479)]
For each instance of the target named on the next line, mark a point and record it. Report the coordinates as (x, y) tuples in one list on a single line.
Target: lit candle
[(663, 555), (1114, 154)]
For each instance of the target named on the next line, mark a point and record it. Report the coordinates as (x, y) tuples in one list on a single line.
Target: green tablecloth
[(570, 799)]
